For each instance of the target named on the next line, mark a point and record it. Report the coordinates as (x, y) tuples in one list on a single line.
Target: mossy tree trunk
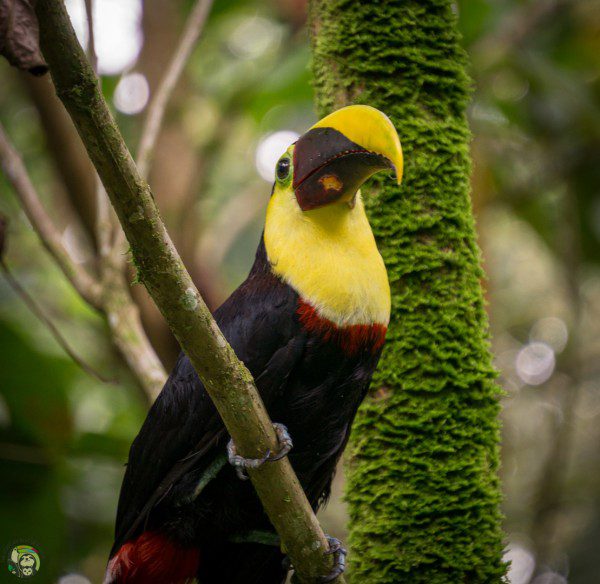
[(422, 479)]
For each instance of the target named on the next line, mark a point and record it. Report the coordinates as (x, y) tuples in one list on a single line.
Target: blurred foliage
[(536, 124)]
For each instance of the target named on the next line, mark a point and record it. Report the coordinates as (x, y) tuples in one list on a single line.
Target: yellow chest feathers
[(330, 258)]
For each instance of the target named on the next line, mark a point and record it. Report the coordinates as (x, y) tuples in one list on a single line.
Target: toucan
[(309, 322)]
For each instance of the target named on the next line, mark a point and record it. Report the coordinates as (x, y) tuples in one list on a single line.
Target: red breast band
[(352, 339)]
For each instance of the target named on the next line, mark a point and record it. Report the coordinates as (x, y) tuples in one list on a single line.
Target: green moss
[(189, 300), (422, 489)]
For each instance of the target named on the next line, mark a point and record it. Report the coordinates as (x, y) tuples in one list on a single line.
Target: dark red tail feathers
[(153, 559)]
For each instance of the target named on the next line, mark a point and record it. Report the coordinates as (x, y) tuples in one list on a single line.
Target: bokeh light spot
[(132, 94), (522, 564), (117, 32), (508, 86), (73, 579), (535, 363), (253, 37)]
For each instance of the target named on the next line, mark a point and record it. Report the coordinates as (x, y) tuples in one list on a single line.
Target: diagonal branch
[(161, 270), (85, 284), (158, 106), (109, 296), (39, 313), (110, 292), (127, 332), (92, 55), (122, 314)]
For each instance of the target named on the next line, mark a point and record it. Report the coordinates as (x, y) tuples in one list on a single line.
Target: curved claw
[(241, 464), (285, 442), (339, 559)]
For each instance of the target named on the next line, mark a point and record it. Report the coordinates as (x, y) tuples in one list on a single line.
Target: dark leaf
[(19, 36)]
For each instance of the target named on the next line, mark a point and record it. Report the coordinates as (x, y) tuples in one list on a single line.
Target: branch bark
[(161, 270), (88, 288), (127, 331)]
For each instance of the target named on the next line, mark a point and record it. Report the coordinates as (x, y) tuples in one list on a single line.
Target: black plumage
[(308, 382)]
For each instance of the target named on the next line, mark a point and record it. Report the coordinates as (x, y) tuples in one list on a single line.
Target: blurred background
[(244, 97)]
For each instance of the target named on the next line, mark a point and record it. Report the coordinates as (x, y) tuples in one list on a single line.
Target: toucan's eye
[(283, 168)]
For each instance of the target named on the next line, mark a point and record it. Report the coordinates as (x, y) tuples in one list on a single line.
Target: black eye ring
[(283, 168)]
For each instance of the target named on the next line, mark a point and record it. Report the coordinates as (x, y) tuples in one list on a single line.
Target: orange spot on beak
[(331, 182)]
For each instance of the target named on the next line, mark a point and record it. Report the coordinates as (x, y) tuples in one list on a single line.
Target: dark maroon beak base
[(328, 167)]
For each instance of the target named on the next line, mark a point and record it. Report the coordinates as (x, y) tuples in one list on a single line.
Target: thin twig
[(122, 314), (91, 49), (104, 221), (110, 296), (39, 313), (85, 284), (127, 331), (157, 108)]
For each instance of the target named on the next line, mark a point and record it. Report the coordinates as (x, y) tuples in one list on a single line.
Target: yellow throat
[(329, 257)]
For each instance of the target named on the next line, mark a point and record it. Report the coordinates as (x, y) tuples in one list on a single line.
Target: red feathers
[(152, 559), (351, 338)]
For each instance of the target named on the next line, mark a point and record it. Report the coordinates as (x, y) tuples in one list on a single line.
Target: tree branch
[(110, 296), (89, 13), (160, 268), (85, 284), (158, 106), (110, 293), (126, 328), (39, 313)]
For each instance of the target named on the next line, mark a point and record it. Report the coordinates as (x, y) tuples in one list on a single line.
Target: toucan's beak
[(339, 153)]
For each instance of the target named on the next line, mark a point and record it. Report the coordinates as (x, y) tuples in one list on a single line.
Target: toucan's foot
[(339, 559), (285, 442), (241, 464), (286, 563)]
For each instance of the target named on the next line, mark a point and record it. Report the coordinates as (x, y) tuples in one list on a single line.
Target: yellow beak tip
[(398, 170), (370, 128)]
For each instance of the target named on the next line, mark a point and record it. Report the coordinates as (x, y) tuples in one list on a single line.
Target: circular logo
[(23, 561)]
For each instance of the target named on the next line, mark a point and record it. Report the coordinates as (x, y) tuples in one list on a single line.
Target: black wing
[(183, 425)]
